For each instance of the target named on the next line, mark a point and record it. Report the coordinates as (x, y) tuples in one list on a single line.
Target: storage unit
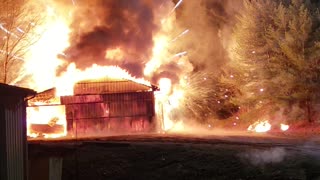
[(13, 146), (98, 107), (105, 107)]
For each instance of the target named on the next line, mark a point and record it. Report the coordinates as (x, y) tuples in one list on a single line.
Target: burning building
[(97, 107)]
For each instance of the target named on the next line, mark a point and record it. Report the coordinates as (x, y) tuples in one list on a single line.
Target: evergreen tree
[(275, 54)]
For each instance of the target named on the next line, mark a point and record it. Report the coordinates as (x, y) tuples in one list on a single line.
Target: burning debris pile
[(97, 107), (46, 115)]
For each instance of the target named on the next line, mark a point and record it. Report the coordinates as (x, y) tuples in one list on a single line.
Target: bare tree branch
[(18, 22)]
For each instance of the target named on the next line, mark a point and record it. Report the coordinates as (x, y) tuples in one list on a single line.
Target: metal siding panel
[(14, 139), (127, 112), (24, 139), (3, 144)]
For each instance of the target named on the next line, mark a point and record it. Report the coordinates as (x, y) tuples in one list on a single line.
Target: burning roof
[(108, 85), (94, 86)]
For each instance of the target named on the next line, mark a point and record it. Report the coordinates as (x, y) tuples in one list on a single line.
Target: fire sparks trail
[(180, 35), (177, 5), (180, 54)]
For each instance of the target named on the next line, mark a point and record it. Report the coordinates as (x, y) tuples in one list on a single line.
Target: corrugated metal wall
[(3, 149), (110, 113), (14, 139)]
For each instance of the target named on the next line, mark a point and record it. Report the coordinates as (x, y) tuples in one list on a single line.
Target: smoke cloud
[(202, 30), (102, 26), (210, 24), (101, 29)]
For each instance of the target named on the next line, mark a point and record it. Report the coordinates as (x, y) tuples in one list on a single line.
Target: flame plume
[(136, 39)]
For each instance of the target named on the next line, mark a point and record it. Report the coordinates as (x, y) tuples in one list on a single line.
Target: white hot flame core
[(284, 127), (260, 126)]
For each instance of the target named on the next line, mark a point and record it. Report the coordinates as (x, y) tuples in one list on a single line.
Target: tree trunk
[(309, 111), (5, 77)]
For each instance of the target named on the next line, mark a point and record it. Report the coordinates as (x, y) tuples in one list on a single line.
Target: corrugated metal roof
[(106, 86), (95, 86)]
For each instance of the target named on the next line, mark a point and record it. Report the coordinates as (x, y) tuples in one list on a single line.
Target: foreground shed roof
[(9, 90)]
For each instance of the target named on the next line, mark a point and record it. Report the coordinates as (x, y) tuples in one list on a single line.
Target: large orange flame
[(55, 39)]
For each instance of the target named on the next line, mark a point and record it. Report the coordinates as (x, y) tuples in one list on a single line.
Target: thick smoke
[(100, 26), (210, 23)]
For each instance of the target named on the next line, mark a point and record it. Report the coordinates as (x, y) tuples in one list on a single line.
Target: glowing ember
[(284, 127), (260, 126)]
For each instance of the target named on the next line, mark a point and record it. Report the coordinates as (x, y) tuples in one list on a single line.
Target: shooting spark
[(177, 5), (181, 34), (180, 54)]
